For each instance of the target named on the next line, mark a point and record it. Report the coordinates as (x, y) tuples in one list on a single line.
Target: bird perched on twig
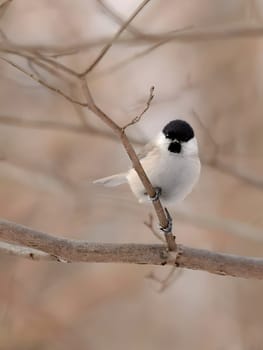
[(170, 161)]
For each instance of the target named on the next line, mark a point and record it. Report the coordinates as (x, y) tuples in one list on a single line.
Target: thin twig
[(3, 34), (5, 3), (38, 57), (171, 277), (215, 146), (51, 125), (114, 38), (195, 34), (96, 110), (166, 282), (205, 129), (53, 67), (120, 64), (44, 83), (4, 6), (139, 116), (117, 18)]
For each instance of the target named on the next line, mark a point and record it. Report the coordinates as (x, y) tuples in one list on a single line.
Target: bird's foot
[(169, 227), (158, 192)]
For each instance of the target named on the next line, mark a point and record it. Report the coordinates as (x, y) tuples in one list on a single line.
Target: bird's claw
[(158, 192), (168, 228)]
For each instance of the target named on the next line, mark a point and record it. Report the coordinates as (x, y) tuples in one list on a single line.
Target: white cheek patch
[(190, 148), (162, 142)]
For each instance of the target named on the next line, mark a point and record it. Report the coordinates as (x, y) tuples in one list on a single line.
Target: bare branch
[(166, 282), (59, 126), (206, 130), (118, 65), (114, 38), (172, 276), (5, 3), (147, 106), (4, 6), (80, 113), (153, 254), (56, 68), (28, 253), (200, 34), (117, 18), (44, 83), (3, 34), (96, 110)]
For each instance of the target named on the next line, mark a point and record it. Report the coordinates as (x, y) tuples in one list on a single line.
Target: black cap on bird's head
[(179, 131)]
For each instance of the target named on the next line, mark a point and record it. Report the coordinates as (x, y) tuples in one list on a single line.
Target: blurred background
[(51, 150)]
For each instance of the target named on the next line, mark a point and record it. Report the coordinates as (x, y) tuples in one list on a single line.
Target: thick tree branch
[(28, 253), (68, 250)]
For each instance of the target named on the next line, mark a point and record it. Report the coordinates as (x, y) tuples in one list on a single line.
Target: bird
[(170, 161)]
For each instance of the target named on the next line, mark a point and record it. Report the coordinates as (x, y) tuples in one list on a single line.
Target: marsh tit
[(170, 161)]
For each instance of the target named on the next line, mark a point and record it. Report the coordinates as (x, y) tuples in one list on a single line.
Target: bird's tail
[(112, 181)]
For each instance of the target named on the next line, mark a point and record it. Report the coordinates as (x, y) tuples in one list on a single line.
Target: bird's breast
[(174, 174)]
